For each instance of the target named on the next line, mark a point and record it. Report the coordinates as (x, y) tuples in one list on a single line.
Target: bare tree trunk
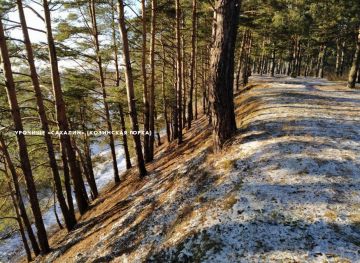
[(193, 65), (102, 83), (175, 120), (22, 145), (338, 57), (245, 68), (115, 46), (152, 80), (130, 89), (67, 182), (224, 33), (168, 133), (273, 62), (125, 142), (179, 70), (69, 217), (87, 158), (342, 58), (183, 71), (320, 63), (355, 64), (241, 56), (80, 192), (147, 154), (21, 227), (19, 199)]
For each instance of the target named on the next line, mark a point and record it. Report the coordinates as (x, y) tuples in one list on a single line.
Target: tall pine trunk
[(22, 145), (178, 70), (145, 86), (193, 65), (226, 16), (152, 81), (80, 191), (69, 216), (165, 109), (130, 89)]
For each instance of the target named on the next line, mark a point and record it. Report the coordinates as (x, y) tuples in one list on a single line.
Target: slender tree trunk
[(147, 153), (192, 67), (69, 217), (204, 82), (245, 68), (355, 64), (115, 46), (224, 33), (19, 199), (183, 71), (342, 58), (102, 83), (22, 145), (55, 211), (125, 142), (80, 192), (175, 120), (273, 62), (240, 61), (21, 227), (67, 182), (130, 89), (87, 158), (320, 63), (179, 70), (338, 57), (152, 81), (168, 133)]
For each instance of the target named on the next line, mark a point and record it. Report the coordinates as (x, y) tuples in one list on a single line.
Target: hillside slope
[(285, 189)]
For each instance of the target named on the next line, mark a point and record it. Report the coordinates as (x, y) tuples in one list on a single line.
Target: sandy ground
[(286, 189)]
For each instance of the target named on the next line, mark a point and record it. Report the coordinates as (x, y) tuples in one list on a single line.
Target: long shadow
[(260, 236)]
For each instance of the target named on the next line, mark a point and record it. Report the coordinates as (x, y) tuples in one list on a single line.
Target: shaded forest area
[(155, 66)]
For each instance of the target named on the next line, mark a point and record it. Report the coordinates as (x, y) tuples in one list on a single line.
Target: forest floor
[(285, 189)]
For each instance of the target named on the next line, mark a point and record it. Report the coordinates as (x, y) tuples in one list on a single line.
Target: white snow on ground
[(287, 189), (103, 176)]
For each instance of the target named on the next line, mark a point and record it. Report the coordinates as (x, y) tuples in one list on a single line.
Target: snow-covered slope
[(12, 247), (286, 188)]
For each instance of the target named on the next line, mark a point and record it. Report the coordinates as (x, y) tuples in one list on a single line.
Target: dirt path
[(299, 155), (287, 188)]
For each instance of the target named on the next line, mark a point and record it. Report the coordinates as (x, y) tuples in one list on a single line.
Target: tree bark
[(178, 70), (240, 61), (145, 87), (355, 64), (22, 145), (152, 81), (69, 217), (67, 182), (167, 125), (115, 46), (226, 16), (125, 142), (130, 89), (80, 191), (192, 67)]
